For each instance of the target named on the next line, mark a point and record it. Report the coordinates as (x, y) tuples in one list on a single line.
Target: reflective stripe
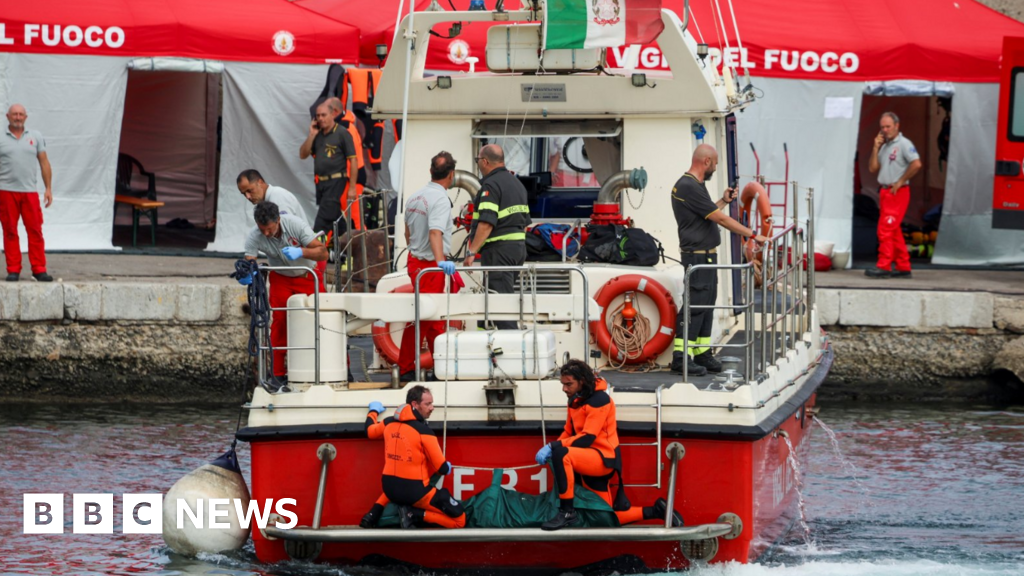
[(476, 215), (488, 206), (678, 344), (517, 209), (512, 236)]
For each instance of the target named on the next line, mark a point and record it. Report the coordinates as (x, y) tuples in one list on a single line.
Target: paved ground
[(213, 270), (995, 281)]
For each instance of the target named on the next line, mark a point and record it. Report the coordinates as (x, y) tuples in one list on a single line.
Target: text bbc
[(143, 513)]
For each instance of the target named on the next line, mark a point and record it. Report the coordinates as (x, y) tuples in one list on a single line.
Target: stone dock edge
[(107, 342)]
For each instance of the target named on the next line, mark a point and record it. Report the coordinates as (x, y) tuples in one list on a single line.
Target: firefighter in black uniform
[(499, 226), (334, 165), (698, 218)]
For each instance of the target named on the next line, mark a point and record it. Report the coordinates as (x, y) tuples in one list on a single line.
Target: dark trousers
[(329, 194), (503, 253), (703, 292)]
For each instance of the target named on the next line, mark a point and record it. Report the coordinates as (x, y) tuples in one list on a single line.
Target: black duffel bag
[(620, 245)]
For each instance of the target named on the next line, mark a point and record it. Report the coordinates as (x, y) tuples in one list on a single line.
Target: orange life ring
[(386, 344), (751, 192), (662, 298)]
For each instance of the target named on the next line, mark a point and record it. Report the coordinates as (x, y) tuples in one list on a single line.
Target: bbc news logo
[(144, 513)]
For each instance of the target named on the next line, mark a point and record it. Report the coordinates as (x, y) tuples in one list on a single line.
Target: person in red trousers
[(287, 241), (895, 160), (20, 150), (428, 232)]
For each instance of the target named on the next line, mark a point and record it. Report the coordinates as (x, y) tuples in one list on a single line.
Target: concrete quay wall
[(923, 344), (123, 341), (111, 341)]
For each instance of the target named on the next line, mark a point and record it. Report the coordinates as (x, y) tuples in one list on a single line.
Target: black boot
[(411, 517), (707, 360), (692, 368), (659, 509), (372, 517), (566, 517)]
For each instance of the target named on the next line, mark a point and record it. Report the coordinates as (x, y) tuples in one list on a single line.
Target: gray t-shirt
[(286, 202), (18, 160), (894, 157), (294, 232), (428, 209)]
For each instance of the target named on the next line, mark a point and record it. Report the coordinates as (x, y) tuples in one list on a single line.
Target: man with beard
[(698, 218)]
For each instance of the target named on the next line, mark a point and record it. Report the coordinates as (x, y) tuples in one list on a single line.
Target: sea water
[(933, 490)]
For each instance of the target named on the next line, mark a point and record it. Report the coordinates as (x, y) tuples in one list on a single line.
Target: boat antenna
[(410, 36), (739, 42)]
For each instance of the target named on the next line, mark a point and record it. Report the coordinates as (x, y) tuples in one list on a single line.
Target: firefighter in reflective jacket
[(411, 456), (500, 219), (589, 448)]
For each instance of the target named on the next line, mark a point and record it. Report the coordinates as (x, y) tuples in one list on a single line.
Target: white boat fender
[(221, 478)]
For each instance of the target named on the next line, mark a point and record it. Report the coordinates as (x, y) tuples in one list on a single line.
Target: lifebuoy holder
[(651, 288)]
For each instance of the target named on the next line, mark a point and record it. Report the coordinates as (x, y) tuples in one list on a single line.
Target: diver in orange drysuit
[(411, 456), (375, 431), (589, 447)]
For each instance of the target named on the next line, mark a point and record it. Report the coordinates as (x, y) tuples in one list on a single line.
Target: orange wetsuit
[(411, 456), (589, 446)]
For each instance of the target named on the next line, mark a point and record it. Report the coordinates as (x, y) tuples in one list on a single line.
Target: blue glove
[(543, 454), (450, 469), (377, 407), (292, 252), (246, 280), (447, 267)]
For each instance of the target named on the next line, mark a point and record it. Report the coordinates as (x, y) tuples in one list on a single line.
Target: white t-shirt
[(294, 232), (428, 209), (286, 202)]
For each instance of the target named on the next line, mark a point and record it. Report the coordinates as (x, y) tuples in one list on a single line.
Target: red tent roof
[(245, 30), (377, 22), (938, 40)]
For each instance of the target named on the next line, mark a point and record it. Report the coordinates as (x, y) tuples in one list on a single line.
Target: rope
[(630, 342), (536, 357), (259, 305)]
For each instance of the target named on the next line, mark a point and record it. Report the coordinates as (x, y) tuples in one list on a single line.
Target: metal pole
[(788, 267), (775, 301), (348, 252), (675, 452), (686, 323), (417, 344), (316, 330), (487, 298), (810, 257), (657, 431), (337, 257), (325, 453), (797, 315), (366, 260), (261, 358), (763, 330), (749, 323)]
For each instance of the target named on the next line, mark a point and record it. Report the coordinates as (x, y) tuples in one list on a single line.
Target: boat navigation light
[(702, 51), (443, 82), (382, 52)]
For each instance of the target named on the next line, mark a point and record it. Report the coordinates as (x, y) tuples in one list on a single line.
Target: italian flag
[(576, 24)]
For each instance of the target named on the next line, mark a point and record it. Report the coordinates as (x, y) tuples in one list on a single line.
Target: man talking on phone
[(895, 160)]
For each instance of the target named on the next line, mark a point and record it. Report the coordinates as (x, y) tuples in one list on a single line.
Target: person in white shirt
[(255, 189), (428, 232), (287, 241)]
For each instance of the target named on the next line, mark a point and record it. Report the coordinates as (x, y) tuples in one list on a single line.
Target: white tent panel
[(822, 143), (76, 102), (263, 126), (966, 236)]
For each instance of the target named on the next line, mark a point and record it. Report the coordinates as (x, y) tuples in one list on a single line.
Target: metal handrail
[(656, 444), (748, 308), (577, 229), (532, 269), (353, 235), (316, 320)]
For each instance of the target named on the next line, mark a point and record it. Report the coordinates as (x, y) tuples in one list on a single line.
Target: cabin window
[(1017, 105)]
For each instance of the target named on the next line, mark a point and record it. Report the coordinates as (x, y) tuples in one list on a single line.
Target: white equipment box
[(466, 355)]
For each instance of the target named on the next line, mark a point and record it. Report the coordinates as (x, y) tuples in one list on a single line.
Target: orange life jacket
[(364, 83)]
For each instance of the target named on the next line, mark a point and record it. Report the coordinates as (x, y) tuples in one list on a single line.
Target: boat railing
[(747, 307), (263, 346), (343, 252), (530, 271), (788, 282), (787, 295)]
